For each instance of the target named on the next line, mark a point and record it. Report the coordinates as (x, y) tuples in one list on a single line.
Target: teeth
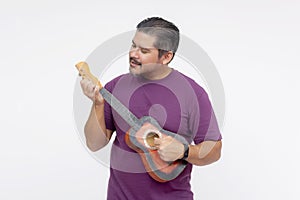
[(135, 62)]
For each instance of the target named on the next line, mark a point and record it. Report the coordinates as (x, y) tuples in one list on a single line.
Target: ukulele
[(140, 137)]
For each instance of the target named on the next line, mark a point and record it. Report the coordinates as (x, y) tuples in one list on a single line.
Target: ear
[(167, 57)]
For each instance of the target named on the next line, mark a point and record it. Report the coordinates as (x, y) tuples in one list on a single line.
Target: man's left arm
[(200, 154), (204, 153)]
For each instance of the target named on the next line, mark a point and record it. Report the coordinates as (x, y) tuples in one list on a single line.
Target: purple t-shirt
[(179, 105)]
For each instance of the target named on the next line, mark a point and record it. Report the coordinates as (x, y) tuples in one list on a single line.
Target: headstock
[(85, 73)]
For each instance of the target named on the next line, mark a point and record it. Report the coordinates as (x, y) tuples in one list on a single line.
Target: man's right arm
[(97, 136)]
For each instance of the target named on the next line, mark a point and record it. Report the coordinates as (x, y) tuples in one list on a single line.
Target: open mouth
[(134, 63)]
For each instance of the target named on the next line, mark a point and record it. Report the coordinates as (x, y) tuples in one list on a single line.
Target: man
[(177, 102)]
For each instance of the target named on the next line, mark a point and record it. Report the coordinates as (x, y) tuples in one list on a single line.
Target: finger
[(82, 81), (165, 140), (87, 87), (160, 153), (83, 84), (168, 138), (98, 96), (90, 86), (157, 141), (163, 156), (96, 89)]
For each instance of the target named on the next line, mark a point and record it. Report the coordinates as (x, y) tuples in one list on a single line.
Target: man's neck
[(159, 74)]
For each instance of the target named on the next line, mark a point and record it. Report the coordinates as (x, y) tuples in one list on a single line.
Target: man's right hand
[(91, 91)]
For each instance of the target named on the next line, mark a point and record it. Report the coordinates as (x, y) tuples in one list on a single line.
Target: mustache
[(134, 61)]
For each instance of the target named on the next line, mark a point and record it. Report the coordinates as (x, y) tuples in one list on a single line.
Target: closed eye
[(144, 50)]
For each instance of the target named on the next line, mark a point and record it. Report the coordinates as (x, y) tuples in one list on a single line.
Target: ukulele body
[(141, 139)]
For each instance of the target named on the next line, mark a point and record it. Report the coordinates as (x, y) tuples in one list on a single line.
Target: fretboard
[(122, 110)]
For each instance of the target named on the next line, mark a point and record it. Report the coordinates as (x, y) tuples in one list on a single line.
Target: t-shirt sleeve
[(203, 122)]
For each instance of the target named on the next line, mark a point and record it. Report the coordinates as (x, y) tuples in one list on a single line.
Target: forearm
[(95, 130), (204, 153)]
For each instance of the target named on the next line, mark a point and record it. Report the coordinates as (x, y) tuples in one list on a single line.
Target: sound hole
[(150, 139)]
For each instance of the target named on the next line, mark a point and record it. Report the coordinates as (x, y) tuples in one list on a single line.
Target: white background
[(255, 46)]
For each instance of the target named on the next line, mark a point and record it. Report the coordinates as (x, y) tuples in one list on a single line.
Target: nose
[(134, 52)]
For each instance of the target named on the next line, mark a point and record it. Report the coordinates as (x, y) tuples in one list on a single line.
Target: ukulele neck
[(124, 112)]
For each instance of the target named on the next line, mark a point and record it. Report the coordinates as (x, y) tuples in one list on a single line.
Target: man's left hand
[(169, 149)]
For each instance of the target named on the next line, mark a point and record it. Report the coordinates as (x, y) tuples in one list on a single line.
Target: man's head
[(165, 33), (154, 44)]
